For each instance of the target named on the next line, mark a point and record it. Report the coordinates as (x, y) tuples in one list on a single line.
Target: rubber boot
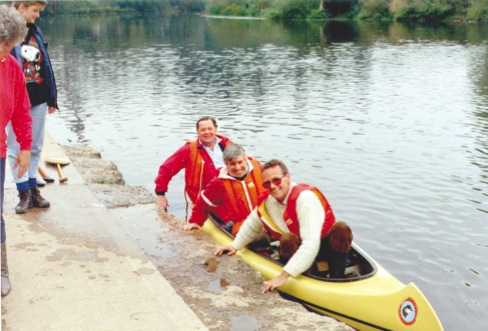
[(37, 200), (25, 202), (5, 280)]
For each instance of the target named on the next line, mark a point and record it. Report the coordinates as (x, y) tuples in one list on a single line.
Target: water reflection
[(390, 121)]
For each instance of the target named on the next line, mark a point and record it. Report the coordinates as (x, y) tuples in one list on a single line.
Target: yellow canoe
[(370, 298)]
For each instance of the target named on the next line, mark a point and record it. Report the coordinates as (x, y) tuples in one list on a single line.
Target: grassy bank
[(139, 7), (425, 11)]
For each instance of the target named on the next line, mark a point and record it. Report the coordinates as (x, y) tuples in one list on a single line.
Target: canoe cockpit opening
[(358, 266)]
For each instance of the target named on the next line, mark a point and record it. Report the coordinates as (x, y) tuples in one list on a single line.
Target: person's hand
[(229, 250), (51, 110), (191, 226), (271, 285), (162, 202), (22, 162)]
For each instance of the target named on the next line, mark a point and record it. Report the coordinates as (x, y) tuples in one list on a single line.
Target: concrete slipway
[(104, 258), (72, 267)]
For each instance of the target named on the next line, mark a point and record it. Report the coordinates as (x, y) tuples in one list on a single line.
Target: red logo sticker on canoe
[(408, 312)]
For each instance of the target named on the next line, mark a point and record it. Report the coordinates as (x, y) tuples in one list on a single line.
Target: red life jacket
[(242, 196), (199, 172), (290, 215)]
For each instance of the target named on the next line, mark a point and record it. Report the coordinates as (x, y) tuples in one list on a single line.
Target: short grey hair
[(13, 27), (233, 151)]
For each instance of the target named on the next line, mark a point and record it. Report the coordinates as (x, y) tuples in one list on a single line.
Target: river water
[(389, 121)]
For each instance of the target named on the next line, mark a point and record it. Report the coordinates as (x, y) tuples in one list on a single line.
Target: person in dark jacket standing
[(41, 86)]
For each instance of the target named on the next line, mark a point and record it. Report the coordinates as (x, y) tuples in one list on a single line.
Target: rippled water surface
[(390, 121)]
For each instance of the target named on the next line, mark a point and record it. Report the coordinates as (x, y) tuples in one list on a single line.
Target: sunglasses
[(276, 181)]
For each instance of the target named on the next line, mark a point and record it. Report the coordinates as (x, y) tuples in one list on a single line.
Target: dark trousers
[(289, 244), (337, 260)]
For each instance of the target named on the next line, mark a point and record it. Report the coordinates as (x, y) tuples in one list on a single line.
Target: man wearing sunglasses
[(200, 158), (301, 218), (233, 194)]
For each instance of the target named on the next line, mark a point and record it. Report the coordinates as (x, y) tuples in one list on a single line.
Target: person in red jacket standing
[(200, 158), (14, 107), (233, 194)]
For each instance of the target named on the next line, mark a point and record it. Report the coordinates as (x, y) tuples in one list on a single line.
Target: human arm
[(162, 201), (310, 217), (20, 119), (167, 170), (228, 250), (191, 226), (50, 79), (271, 285), (208, 200), (199, 214), (250, 230), (22, 162)]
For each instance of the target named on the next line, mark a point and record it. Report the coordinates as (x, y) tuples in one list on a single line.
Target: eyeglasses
[(276, 181)]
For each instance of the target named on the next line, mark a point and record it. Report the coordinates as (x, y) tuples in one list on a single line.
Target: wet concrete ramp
[(72, 267)]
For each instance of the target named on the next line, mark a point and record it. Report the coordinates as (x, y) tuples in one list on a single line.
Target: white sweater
[(311, 216)]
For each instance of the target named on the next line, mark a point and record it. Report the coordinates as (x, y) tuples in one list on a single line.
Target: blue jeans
[(38, 114), (2, 181)]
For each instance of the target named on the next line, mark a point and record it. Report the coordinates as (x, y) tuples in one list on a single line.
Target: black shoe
[(25, 202), (37, 200)]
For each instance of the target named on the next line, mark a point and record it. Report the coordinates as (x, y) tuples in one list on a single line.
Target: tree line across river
[(424, 11)]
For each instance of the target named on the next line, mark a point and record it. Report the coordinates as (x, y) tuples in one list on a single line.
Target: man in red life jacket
[(201, 158), (301, 218), (233, 194)]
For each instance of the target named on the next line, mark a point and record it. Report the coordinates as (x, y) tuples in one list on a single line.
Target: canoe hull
[(378, 302)]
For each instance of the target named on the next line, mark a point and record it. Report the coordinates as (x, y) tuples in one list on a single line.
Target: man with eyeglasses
[(300, 217), (233, 194)]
